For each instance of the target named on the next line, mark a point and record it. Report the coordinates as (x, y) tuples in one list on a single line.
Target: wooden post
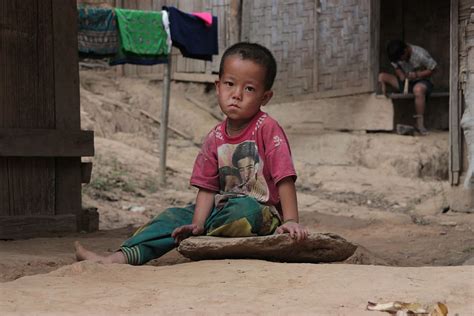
[(454, 99), (234, 22), (164, 120)]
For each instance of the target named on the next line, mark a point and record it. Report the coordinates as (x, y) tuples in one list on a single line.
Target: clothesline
[(145, 38)]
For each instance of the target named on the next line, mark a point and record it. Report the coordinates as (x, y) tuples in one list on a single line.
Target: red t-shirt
[(250, 163)]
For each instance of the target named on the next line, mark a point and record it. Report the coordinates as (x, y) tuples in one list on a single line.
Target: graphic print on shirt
[(241, 170)]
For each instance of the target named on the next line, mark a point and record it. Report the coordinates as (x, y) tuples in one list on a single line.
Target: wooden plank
[(86, 171), (66, 70), (315, 54), (68, 170), (45, 143), (34, 192), (68, 185), (341, 92), (411, 96), (4, 188), (454, 100), (221, 11), (234, 21), (16, 227), (27, 99), (246, 18)]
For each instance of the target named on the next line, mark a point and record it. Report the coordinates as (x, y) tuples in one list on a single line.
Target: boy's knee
[(382, 77), (419, 90)]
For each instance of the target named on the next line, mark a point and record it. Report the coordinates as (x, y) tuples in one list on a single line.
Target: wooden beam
[(18, 227), (67, 103), (454, 100), (246, 11), (86, 171), (21, 142), (341, 92), (411, 96), (316, 12)]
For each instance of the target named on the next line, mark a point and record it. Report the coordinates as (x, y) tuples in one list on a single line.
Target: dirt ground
[(385, 192)]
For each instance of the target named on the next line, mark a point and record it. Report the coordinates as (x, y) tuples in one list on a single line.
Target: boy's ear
[(216, 83), (267, 95)]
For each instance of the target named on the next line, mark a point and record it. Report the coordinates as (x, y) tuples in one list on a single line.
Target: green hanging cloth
[(142, 32)]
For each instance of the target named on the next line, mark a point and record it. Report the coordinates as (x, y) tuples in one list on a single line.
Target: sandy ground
[(379, 190), (235, 287)]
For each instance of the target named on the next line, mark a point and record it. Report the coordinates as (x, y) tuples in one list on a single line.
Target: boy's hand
[(411, 75), (183, 232), (294, 229)]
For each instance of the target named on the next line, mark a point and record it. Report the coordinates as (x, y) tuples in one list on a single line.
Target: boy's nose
[(237, 94)]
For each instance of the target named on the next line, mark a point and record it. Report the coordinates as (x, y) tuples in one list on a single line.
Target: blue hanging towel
[(192, 36), (97, 34)]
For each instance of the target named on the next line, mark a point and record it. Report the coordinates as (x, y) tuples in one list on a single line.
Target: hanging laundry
[(166, 24), (143, 39), (97, 34), (191, 35), (205, 16)]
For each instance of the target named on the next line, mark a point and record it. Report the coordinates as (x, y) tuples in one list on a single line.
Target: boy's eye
[(228, 83), (249, 89)]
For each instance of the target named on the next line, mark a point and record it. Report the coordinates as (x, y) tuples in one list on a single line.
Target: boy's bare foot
[(84, 254)]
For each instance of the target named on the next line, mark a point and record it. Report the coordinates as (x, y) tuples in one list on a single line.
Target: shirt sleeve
[(277, 153), (428, 61), (395, 65), (205, 172)]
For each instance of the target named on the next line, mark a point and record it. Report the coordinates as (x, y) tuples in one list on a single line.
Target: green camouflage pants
[(240, 217)]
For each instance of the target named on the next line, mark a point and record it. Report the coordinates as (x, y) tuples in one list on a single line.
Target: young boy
[(262, 201), (415, 64)]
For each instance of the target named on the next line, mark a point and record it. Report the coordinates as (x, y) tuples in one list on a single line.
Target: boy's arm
[(289, 205), (400, 74), (204, 206), (421, 74)]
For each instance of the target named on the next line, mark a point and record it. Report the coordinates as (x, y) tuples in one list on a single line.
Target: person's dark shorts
[(411, 84)]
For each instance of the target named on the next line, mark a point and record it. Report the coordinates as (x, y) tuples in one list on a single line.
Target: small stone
[(137, 209), (452, 224)]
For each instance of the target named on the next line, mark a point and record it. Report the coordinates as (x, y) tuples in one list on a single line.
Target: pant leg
[(242, 217), (154, 238)]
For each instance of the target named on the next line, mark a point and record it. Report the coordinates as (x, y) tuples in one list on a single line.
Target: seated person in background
[(415, 64)]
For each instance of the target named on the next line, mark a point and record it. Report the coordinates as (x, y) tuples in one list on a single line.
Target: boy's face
[(406, 55), (241, 90)]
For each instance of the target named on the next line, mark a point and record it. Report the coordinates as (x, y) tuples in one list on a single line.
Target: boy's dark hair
[(256, 53), (243, 150), (395, 50)]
